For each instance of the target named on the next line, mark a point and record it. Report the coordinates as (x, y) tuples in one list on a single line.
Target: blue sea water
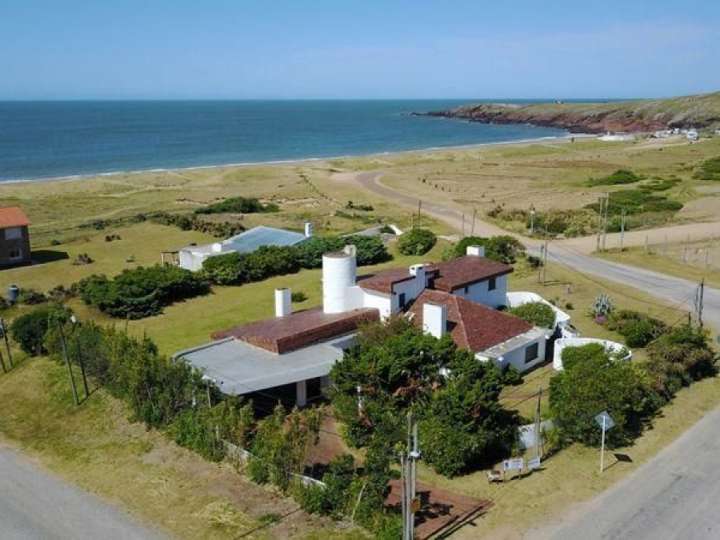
[(67, 138)]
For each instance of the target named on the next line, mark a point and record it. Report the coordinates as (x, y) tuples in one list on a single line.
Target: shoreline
[(86, 176)]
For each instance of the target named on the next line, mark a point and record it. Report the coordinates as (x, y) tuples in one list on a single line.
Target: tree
[(536, 313), (416, 242), (502, 248), (396, 368), (592, 382)]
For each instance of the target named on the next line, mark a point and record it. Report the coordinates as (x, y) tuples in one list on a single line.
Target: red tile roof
[(300, 329), (12, 216), (471, 325), (384, 280), (467, 270)]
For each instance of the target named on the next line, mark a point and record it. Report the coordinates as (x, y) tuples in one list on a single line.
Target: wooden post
[(3, 326), (67, 363)]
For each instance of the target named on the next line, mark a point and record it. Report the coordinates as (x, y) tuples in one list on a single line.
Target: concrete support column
[(301, 393)]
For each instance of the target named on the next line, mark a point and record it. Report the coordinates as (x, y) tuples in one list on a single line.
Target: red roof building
[(14, 237)]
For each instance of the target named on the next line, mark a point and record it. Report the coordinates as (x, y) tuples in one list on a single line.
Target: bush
[(536, 313), (679, 357), (637, 329), (709, 170), (416, 242), (140, 292), (601, 308), (592, 382), (503, 248), (298, 297), (621, 176), (637, 201), (29, 329), (238, 205), (189, 222), (31, 297)]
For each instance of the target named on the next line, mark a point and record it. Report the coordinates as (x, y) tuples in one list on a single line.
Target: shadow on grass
[(42, 256)]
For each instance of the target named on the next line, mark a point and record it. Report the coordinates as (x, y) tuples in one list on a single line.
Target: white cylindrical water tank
[(339, 271), (283, 302), (308, 229)]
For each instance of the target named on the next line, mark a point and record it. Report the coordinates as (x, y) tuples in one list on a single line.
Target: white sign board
[(516, 464), (609, 423)]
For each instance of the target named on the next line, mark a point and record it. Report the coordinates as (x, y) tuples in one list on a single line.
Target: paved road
[(671, 289), (36, 505), (672, 497)]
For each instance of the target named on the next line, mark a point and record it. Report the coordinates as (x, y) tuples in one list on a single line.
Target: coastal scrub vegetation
[(140, 292), (621, 176), (395, 369), (709, 170), (238, 205), (637, 328), (535, 313), (416, 242)]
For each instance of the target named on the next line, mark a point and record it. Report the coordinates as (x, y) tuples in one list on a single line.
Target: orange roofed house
[(14, 237)]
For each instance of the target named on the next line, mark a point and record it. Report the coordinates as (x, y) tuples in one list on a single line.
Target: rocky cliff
[(700, 111)]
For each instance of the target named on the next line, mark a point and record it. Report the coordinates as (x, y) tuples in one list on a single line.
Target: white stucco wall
[(379, 301), (411, 288), (516, 356), (190, 260), (478, 292)]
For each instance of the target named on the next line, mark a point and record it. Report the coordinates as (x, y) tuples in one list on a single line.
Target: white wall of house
[(521, 357), (382, 302), (190, 260), (481, 293), (411, 288)]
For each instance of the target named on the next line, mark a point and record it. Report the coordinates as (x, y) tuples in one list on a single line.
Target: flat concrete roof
[(513, 343), (239, 368)]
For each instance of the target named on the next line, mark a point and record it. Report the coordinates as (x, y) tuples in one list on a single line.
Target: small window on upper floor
[(13, 233), (491, 284)]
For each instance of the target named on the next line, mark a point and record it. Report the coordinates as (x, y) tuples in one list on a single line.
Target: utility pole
[(408, 467), (3, 327), (701, 299), (538, 435), (67, 362), (472, 230), (545, 259), (622, 228), (463, 224), (2, 363), (605, 220), (419, 211)]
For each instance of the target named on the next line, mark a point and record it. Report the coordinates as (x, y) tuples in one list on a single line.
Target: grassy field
[(96, 447), (692, 260)]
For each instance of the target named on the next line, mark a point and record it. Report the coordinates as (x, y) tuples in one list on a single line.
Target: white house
[(192, 257), (293, 353)]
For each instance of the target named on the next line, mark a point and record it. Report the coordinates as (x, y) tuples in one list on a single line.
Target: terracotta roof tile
[(472, 325), (12, 216), (466, 270), (300, 329)]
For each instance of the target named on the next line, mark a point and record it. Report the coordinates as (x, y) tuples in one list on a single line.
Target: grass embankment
[(96, 447), (694, 261)]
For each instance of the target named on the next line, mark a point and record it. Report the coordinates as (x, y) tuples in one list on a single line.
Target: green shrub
[(29, 330), (416, 242), (189, 222), (502, 248), (238, 205), (621, 176), (709, 170), (679, 357), (637, 201), (31, 297), (298, 297), (592, 382), (637, 328), (370, 249), (536, 313), (140, 292), (225, 269)]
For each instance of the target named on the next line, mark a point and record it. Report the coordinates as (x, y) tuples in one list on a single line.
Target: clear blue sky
[(52, 49)]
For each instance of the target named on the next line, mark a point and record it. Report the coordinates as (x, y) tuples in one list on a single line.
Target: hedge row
[(140, 292), (267, 261)]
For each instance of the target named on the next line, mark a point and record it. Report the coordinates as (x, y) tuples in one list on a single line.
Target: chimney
[(435, 319), (350, 250), (308, 229), (338, 276), (475, 251), (217, 247), (283, 302)]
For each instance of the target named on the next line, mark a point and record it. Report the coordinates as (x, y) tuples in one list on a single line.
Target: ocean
[(72, 138)]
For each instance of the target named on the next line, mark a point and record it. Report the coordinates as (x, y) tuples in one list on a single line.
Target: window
[(15, 253), (467, 290), (491, 284), (431, 283), (401, 300), (13, 233), (531, 353)]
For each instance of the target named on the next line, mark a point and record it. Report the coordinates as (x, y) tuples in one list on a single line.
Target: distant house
[(14, 237), (192, 257)]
